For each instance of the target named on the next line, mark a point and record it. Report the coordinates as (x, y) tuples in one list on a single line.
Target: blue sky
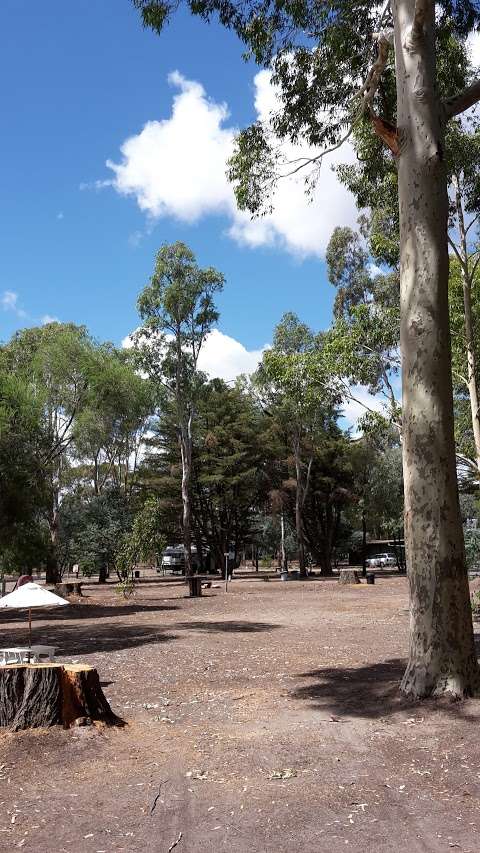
[(79, 79)]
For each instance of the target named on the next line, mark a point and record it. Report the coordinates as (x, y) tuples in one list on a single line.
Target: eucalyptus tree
[(178, 311), (362, 346), (464, 166), (110, 430), (23, 496), (55, 361), (332, 63)]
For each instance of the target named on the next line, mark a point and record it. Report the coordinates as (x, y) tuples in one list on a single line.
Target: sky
[(114, 141)]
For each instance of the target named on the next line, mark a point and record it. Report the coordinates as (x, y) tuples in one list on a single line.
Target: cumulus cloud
[(9, 302), (222, 356), (47, 318), (226, 358), (176, 167)]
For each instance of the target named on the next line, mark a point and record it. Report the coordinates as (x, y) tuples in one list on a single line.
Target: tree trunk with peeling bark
[(186, 454), (442, 654)]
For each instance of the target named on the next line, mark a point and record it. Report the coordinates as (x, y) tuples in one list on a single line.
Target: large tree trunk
[(283, 552), (364, 544), (299, 501), (186, 453), (53, 572), (441, 655), (42, 695)]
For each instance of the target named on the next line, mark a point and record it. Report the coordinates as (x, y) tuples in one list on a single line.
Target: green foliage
[(377, 474), (318, 52), (362, 347), (178, 312), (472, 549), (143, 541), (91, 527)]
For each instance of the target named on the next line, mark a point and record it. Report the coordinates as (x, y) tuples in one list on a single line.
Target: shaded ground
[(222, 692)]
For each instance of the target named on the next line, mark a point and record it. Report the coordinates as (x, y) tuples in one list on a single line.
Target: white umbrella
[(27, 597)]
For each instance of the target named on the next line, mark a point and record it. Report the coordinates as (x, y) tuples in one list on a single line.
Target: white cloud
[(222, 356), (95, 185), (226, 357), (176, 167), (360, 402), (47, 318), (9, 302)]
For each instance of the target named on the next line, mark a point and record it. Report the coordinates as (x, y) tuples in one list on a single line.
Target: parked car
[(381, 561), (173, 559)]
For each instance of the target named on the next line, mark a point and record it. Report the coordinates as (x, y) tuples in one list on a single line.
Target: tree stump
[(67, 588), (48, 694), (348, 576)]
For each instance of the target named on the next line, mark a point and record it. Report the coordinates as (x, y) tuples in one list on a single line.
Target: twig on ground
[(154, 804), (175, 843)]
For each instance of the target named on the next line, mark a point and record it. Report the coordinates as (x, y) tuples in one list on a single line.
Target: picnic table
[(20, 654)]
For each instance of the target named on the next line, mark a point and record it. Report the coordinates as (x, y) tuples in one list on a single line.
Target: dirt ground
[(264, 720)]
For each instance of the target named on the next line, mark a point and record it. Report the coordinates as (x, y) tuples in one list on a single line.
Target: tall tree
[(111, 428), (295, 388), (318, 52), (55, 361), (23, 496), (363, 344), (178, 311), (464, 165)]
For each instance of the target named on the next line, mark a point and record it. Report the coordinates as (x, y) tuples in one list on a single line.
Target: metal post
[(226, 572)]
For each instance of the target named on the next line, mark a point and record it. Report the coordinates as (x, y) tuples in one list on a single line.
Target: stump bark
[(68, 588), (348, 576), (42, 695)]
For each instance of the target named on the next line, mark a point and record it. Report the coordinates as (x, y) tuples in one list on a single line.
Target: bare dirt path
[(266, 720)]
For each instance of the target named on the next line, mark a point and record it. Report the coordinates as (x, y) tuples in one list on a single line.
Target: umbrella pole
[(29, 634)]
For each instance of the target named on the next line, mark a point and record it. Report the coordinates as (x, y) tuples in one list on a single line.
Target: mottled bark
[(441, 654), (186, 454)]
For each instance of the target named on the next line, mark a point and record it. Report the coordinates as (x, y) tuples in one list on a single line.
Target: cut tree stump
[(48, 694), (67, 588), (348, 576)]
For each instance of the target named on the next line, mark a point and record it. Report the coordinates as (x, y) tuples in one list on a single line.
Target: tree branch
[(455, 249), (463, 101), (472, 222)]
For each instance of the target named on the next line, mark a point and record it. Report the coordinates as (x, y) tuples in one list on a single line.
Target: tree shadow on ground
[(370, 692), (75, 640), (86, 611), (226, 626)]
